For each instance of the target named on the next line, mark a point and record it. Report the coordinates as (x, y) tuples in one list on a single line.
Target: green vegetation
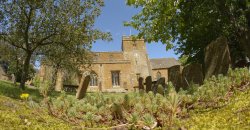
[(64, 35), (233, 114), (9, 90), (192, 25), (220, 103), (16, 114)]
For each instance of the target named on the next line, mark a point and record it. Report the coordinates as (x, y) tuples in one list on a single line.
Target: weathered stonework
[(217, 57), (3, 75), (117, 71), (175, 76), (192, 74)]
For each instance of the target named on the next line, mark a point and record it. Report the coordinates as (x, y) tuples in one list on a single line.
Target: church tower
[(135, 51)]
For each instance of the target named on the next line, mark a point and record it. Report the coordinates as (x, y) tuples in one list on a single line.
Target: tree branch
[(10, 42)]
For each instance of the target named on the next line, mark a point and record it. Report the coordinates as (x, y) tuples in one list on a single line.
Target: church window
[(93, 79), (158, 75), (115, 78)]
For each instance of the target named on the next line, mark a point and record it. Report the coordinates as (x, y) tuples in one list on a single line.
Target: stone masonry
[(120, 71)]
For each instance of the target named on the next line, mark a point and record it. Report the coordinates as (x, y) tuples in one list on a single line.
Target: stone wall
[(164, 73), (131, 63), (135, 51), (103, 71)]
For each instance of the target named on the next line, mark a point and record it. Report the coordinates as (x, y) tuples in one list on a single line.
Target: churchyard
[(50, 78), (221, 102)]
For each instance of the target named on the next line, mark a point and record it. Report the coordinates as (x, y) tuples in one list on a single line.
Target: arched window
[(158, 75), (115, 78), (93, 79)]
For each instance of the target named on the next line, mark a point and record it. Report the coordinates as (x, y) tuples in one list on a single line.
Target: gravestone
[(82, 89), (242, 63), (155, 87), (13, 79), (217, 57), (140, 81), (161, 86), (174, 76), (161, 81), (192, 74), (148, 84), (3, 75)]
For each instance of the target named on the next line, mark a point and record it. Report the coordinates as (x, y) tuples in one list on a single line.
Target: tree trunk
[(54, 75), (25, 70)]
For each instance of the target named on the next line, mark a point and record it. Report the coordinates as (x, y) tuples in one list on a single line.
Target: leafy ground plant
[(220, 99)]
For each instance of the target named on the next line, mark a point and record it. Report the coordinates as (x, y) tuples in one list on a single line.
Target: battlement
[(130, 44)]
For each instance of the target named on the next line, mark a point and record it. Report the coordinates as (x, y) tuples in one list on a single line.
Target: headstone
[(162, 82), (192, 74), (217, 57), (155, 87), (148, 84), (82, 89), (140, 81), (3, 75), (161, 85), (13, 79), (174, 76), (242, 63)]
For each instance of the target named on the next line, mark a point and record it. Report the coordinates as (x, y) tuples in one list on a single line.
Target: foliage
[(160, 89), (192, 25), (9, 90), (15, 114), (183, 60), (234, 114), (220, 99), (28, 26), (13, 58)]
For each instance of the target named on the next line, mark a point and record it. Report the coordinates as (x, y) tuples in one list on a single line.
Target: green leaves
[(191, 24), (58, 31)]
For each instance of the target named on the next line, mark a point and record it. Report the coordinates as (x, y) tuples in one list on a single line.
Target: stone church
[(119, 71)]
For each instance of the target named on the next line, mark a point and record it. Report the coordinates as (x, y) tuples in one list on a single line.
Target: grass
[(233, 114), (16, 114), (19, 114), (9, 90)]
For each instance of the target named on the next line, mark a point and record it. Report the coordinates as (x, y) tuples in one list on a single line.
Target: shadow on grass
[(8, 89)]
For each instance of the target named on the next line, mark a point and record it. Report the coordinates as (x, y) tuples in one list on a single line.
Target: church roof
[(161, 63)]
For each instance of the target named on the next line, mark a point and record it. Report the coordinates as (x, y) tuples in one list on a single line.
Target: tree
[(194, 24), (61, 59), (12, 57), (32, 25)]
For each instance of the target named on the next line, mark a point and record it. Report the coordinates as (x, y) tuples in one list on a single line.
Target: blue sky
[(111, 20)]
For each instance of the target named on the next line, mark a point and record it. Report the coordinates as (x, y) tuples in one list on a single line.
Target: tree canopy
[(192, 25), (44, 26)]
